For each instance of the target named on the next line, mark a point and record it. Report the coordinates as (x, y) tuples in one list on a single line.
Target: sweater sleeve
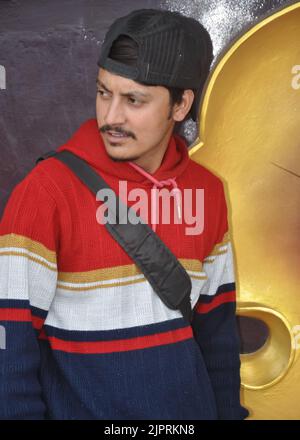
[(214, 322), (28, 274)]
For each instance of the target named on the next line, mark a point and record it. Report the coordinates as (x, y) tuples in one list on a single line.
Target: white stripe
[(23, 279), (222, 249), (112, 308), (26, 253), (220, 271), (198, 274)]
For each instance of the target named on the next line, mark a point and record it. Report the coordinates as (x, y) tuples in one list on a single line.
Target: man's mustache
[(120, 130)]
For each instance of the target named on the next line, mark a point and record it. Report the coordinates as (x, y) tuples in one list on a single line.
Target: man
[(87, 337)]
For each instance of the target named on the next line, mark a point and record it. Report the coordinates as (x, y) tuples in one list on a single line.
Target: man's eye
[(103, 93), (134, 101)]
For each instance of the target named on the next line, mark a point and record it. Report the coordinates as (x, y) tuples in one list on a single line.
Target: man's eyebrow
[(136, 93), (100, 84), (126, 95)]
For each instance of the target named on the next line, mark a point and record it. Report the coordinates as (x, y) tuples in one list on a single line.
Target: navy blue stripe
[(14, 304), (225, 288), (111, 335), (39, 313), (22, 304), (210, 319), (206, 299)]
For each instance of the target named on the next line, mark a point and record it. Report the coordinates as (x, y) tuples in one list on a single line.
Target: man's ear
[(182, 109)]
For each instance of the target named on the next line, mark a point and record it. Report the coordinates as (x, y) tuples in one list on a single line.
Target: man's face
[(134, 119)]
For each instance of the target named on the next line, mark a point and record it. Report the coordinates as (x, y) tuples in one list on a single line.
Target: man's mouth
[(116, 134)]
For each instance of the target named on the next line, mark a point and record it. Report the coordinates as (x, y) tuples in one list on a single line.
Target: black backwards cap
[(173, 50)]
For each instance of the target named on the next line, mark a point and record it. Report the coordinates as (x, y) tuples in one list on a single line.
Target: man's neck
[(153, 160), (151, 165)]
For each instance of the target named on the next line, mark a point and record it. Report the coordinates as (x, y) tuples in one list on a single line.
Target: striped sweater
[(83, 334)]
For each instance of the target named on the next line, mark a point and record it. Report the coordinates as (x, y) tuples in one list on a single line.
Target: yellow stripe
[(101, 286), (209, 261), (216, 249), (200, 277), (214, 254), (113, 273), (191, 264), (116, 284), (225, 239), (30, 257), (105, 274), (22, 242)]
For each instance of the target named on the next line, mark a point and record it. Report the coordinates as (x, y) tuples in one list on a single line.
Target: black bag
[(164, 272)]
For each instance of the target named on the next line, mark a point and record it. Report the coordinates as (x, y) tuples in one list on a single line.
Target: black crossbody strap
[(164, 272)]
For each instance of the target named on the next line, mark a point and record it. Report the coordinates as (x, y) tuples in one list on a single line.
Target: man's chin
[(120, 157), (123, 159)]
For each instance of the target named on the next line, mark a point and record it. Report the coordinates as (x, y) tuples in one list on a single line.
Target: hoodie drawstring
[(159, 184)]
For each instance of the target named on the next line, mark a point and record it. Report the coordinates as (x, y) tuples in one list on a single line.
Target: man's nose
[(115, 114)]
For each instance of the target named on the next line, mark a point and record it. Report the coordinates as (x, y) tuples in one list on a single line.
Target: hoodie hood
[(88, 144)]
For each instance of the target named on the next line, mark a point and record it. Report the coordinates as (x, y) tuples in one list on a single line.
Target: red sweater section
[(81, 243)]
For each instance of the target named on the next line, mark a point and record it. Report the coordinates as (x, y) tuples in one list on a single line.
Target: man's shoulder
[(202, 175), (48, 175), (52, 173)]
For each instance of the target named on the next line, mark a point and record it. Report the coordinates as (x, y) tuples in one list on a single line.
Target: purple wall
[(49, 50)]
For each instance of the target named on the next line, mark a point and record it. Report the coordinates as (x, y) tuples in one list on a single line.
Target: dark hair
[(125, 50)]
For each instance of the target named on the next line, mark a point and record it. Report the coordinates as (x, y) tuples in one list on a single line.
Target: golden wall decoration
[(250, 136)]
